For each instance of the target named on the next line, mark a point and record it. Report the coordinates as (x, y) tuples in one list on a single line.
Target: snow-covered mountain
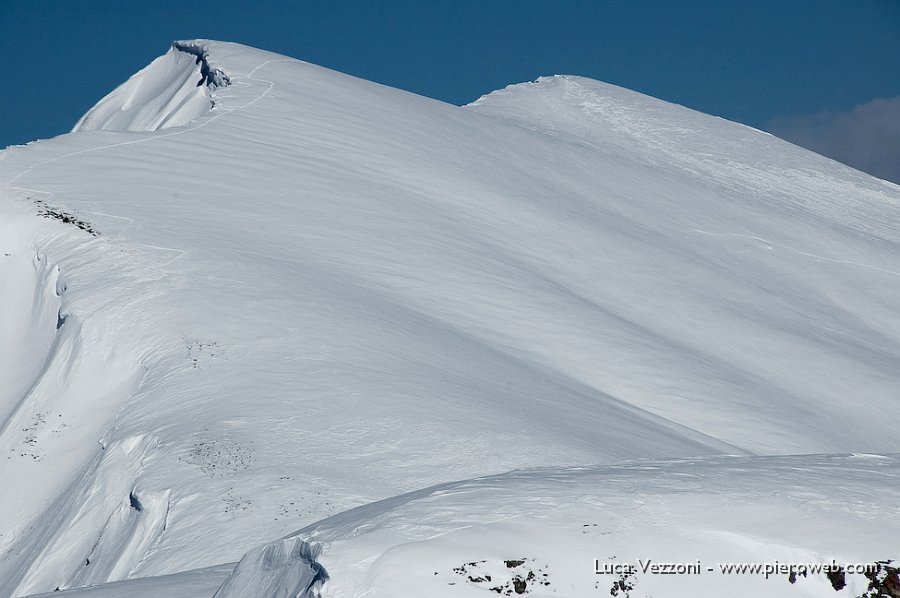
[(248, 296)]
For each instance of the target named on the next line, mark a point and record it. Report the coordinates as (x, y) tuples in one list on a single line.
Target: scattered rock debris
[(307, 503), (837, 578), (220, 457), (884, 581), (623, 586), (234, 504), (512, 577), (65, 217), (28, 449), (792, 577), (202, 352)]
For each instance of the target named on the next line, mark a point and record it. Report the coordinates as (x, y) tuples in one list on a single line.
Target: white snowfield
[(249, 296)]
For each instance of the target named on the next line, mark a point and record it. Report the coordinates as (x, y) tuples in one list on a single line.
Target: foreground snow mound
[(591, 531), (328, 292), (728, 526), (172, 91)]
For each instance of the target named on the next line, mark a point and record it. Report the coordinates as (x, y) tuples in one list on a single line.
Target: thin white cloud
[(866, 138)]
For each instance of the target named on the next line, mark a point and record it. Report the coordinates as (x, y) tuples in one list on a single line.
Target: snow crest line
[(180, 253), (203, 123)]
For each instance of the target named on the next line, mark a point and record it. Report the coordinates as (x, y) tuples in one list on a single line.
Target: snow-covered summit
[(226, 324), (171, 91)]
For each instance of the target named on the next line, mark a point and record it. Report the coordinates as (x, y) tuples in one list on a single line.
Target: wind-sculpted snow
[(283, 568), (172, 91), (30, 319), (64, 379), (212, 77), (325, 292)]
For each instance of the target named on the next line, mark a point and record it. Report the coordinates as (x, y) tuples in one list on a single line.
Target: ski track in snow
[(153, 137), (149, 138)]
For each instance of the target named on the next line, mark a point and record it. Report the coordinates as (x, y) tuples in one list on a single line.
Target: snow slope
[(471, 538), (545, 527), (233, 310)]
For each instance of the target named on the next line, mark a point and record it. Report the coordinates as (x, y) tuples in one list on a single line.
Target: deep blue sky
[(749, 61)]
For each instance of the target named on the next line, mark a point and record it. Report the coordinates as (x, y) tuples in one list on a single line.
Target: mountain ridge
[(324, 292)]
